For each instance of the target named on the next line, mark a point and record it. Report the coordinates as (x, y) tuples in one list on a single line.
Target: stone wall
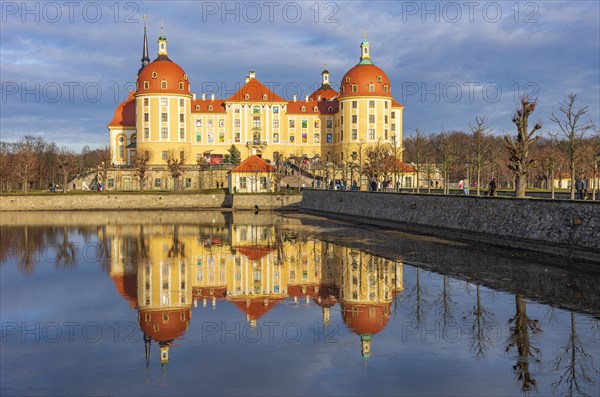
[(562, 227), (139, 201)]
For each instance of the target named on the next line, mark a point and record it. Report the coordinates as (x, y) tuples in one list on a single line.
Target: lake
[(244, 303)]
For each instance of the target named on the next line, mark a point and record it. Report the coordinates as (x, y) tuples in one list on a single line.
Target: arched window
[(181, 85), (154, 75), (163, 85), (146, 85)]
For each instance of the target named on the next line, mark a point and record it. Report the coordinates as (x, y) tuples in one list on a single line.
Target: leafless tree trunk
[(26, 162), (141, 163), (68, 164), (481, 151), (104, 163), (573, 131), (518, 147), (175, 162)]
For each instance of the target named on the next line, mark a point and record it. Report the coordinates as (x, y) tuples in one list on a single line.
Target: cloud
[(441, 48)]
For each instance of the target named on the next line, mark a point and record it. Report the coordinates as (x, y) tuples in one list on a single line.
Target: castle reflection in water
[(164, 270)]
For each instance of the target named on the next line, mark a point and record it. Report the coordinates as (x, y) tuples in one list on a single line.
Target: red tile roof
[(309, 107), (208, 106), (125, 113), (396, 104), (255, 253), (254, 164), (256, 92)]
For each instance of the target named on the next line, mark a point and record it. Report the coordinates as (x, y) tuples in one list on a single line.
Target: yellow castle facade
[(165, 118)]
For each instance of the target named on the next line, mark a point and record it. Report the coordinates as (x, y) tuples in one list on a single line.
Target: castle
[(163, 116)]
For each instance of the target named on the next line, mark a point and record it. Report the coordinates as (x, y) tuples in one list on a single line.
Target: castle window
[(385, 105), (393, 115), (303, 109), (181, 117), (181, 103), (354, 104), (164, 132), (393, 127), (146, 85), (385, 134), (121, 139), (210, 108), (343, 89), (354, 88), (275, 109), (145, 101), (330, 109), (157, 181), (371, 104), (181, 85), (371, 133), (146, 117), (246, 97), (385, 119), (236, 123), (146, 133), (371, 118), (315, 109), (292, 124), (198, 123), (221, 123), (164, 117), (154, 75), (379, 79), (163, 85), (163, 101), (354, 119), (275, 123), (385, 88), (347, 79), (197, 107), (354, 134), (371, 87), (185, 77), (264, 97)]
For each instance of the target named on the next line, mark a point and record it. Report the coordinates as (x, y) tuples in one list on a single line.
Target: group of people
[(581, 189), (463, 185)]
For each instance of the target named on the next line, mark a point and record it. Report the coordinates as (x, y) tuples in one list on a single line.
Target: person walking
[(466, 186), (493, 187), (579, 186)]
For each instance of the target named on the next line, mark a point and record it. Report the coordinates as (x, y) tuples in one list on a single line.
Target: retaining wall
[(109, 202), (562, 227)]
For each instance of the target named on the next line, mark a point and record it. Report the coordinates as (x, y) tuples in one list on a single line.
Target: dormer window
[(181, 85), (197, 107), (379, 79), (371, 87), (163, 85), (146, 85), (330, 109), (347, 80), (210, 108), (303, 109), (246, 97), (343, 89), (385, 88), (154, 75), (264, 97), (185, 77), (354, 88), (315, 109)]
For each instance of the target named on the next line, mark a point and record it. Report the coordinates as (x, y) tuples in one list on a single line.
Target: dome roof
[(162, 69), (126, 285), (328, 294), (164, 325), (365, 319), (324, 93), (361, 76), (125, 113)]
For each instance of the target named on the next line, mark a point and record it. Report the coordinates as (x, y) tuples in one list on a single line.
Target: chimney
[(247, 79), (194, 96), (252, 74), (203, 96), (306, 98), (294, 98), (212, 96), (319, 98)]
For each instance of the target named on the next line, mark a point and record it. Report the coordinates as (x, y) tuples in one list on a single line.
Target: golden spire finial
[(144, 20), (365, 34)]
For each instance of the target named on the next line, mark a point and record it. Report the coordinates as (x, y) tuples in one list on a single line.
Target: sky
[(66, 65)]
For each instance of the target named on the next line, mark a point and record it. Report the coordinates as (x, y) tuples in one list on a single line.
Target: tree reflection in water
[(577, 366), (521, 332), (481, 327)]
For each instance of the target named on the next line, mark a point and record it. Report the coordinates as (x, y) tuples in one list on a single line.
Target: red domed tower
[(163, 105)]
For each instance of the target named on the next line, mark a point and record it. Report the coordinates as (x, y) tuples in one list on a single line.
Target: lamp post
[(596, 177)]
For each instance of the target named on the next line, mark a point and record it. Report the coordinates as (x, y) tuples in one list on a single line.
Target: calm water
[(211, 303)]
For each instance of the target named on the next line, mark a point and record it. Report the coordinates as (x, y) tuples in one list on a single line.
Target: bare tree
[(104, 160), (175, 163), (519, 146), (26, 162), (480, 146), (68, 164), (420, 147), (7, 174), (573, 131), (141, 166), (446, 156), (481, 326)]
